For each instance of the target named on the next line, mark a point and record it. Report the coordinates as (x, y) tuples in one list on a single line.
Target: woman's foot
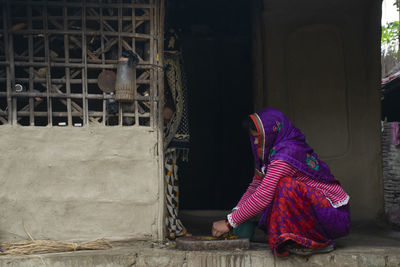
[(304, 251)]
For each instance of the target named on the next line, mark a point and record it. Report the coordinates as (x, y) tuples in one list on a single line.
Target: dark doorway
[(216, 45)]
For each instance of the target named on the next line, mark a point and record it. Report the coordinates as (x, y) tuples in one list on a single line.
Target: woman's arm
[(250, 190), (263, 194)]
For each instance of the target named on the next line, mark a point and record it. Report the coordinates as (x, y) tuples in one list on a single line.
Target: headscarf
[(280, 140)]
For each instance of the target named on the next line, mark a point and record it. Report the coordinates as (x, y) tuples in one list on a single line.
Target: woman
[(303, 207)]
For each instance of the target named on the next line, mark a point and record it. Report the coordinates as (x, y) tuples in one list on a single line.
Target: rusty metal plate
[(106, 81)]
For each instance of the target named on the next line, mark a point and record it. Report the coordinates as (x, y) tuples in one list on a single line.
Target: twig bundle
[(48, 246)]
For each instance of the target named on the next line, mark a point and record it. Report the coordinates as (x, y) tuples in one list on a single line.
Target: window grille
[(52, 53)]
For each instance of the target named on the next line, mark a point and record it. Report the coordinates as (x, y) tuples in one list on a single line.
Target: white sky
[(389, 12)]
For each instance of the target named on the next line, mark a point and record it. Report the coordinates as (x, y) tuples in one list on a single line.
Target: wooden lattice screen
[(51, 53)]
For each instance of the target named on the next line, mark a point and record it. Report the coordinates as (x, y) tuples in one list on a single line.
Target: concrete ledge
[(146, 254)]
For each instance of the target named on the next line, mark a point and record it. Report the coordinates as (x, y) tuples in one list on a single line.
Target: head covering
[(279, 139)]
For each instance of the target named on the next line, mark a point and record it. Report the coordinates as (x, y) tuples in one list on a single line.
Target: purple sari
[(298, 212), (279, 139)]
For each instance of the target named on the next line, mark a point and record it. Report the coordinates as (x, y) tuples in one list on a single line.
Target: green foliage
[(390, 34)]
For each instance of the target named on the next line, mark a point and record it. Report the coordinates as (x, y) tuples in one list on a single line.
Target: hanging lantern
[(125, 84)]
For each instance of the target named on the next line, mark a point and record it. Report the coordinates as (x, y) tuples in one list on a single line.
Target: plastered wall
[(321, 67), (79, 183)]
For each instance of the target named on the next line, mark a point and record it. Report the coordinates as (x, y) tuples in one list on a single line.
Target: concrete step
[(146, 253), (367, 245)]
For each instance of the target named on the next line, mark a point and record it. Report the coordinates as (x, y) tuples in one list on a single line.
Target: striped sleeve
[(263, 195), (333, 192), (250, 190)]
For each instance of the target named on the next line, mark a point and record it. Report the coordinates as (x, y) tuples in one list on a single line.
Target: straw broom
[(47, 246)]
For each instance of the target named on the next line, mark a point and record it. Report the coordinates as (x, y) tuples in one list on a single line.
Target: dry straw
[(48, 246)]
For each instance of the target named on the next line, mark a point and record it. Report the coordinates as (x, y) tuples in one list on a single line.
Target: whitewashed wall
[(79, 183)]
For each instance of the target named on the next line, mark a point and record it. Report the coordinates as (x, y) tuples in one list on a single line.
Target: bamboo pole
[(153, 60), (80, 4), (8, 82), (10, 69), (73, 65), (157, 116), (142, 62), (48, 70), (95, 16), (120, 113), (59, 94), (102, 21), (31, 77), (72, 81), (75, 114), (139, 36), (136, 103), (67, 69), (84, 69)]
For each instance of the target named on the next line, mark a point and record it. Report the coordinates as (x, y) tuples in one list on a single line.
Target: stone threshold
[(147, 253)]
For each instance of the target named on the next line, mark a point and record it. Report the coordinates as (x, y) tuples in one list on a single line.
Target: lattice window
[(52, 52)]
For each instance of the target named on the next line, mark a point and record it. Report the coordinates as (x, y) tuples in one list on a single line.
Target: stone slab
[(208, 243)]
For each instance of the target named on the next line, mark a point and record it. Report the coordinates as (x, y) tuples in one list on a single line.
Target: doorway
[(215, 38)]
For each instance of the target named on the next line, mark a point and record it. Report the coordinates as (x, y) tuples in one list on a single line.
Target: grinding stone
[(195, 243)]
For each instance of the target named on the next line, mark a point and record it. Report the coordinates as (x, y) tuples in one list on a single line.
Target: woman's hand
[(219, 228)]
